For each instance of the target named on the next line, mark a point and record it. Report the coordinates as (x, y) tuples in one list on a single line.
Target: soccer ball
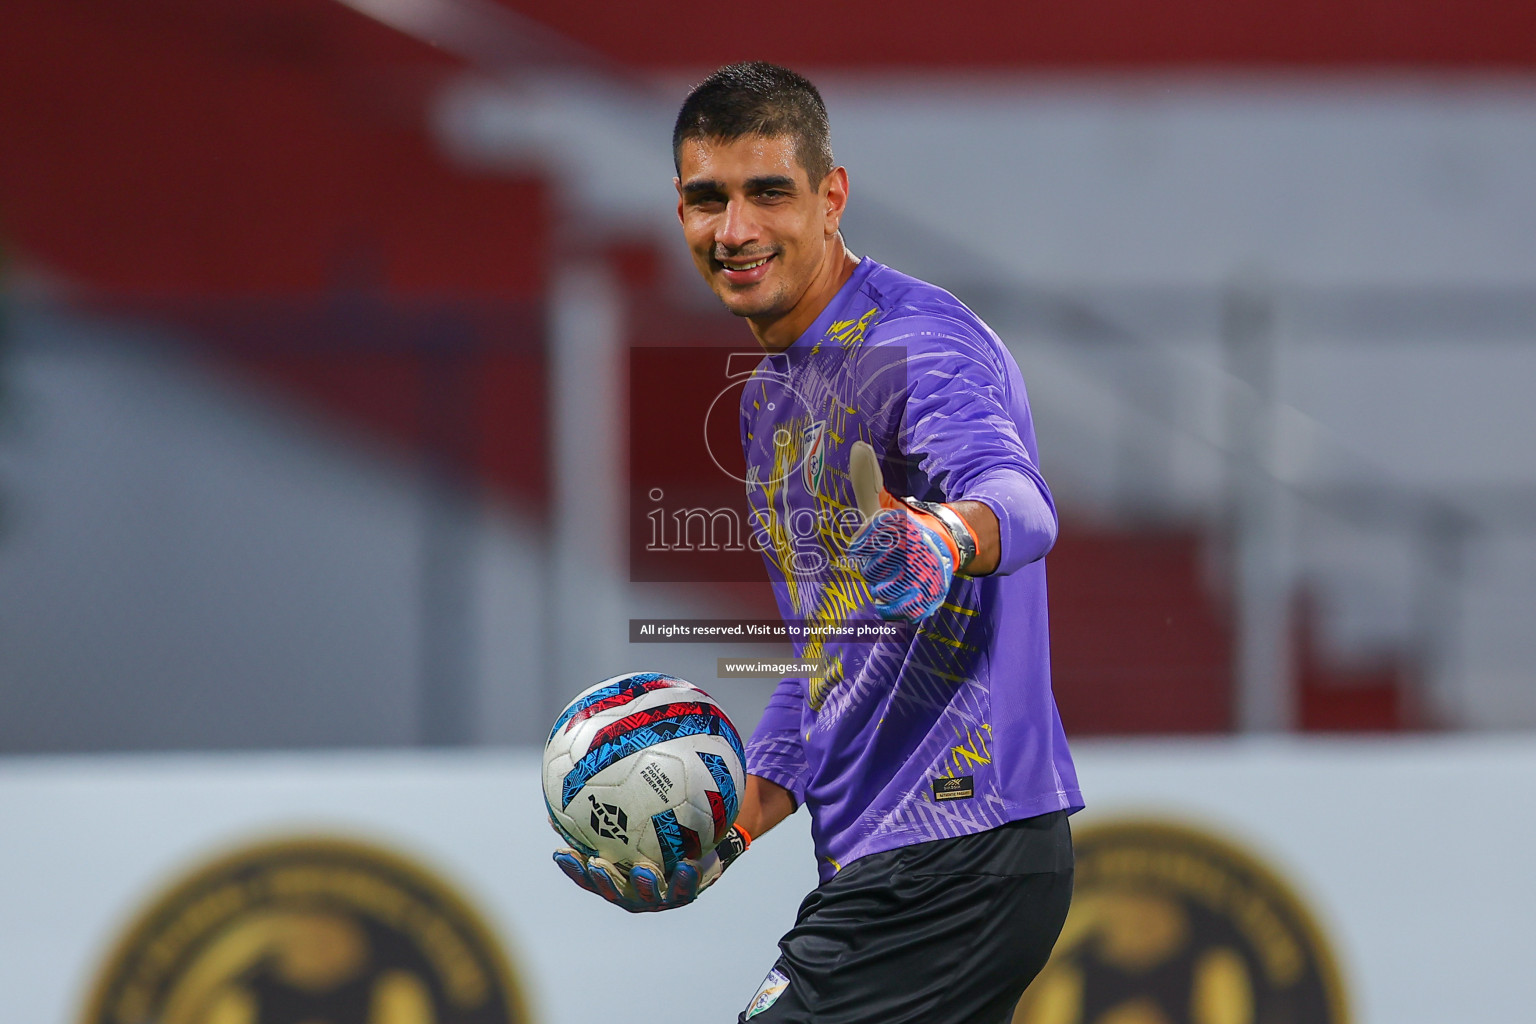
[(643, 766)]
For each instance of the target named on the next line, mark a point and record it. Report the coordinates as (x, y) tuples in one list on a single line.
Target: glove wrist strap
[(732, 846), (959, 530)]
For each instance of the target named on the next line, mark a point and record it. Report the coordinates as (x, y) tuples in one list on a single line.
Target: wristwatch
[(959, 530)]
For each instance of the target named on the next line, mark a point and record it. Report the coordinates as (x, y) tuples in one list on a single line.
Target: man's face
[(758, 228)]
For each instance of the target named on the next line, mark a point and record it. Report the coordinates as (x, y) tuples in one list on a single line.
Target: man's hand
[(906, 564), (907, 555), (644, 890)]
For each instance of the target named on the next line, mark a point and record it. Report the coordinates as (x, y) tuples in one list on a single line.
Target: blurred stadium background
[(313, 427)]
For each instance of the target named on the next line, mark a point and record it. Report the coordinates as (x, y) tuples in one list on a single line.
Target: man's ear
[(835, 190), (677, 183)]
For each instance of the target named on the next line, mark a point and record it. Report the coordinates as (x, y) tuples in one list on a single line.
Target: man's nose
[(738, 227)]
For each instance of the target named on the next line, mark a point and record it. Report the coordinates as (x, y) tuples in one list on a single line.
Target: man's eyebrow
[(708, 186), (701, 186), (770, 181)]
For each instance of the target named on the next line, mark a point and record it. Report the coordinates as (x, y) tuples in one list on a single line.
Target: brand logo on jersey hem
[(768, 992), (958, 788)]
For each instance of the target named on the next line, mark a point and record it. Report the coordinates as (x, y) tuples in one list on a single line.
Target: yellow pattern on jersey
[(844, 591)]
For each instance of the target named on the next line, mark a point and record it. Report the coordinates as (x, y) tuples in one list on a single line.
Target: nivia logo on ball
[(1170, 924), (609, 820), (308, 929)]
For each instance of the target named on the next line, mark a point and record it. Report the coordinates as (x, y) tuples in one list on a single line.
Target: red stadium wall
[(259, 175), (1377, 696), (1104, 35), (248, 148), (1139, 644)]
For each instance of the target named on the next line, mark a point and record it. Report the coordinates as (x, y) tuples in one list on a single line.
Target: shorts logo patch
[(768, 992), (957, 788)]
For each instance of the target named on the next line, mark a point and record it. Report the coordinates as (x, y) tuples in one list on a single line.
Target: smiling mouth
[(742, 268)]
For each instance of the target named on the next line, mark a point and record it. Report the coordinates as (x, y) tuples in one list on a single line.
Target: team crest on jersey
[(815, 451)]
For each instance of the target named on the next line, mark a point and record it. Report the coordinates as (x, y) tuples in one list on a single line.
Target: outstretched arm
[(910, 551), (984, 526), (763, 805)]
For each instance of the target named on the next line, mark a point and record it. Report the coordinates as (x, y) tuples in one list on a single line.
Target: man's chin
[(747, 304)]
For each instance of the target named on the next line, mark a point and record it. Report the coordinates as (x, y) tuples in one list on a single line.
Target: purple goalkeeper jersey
[(941, 728)]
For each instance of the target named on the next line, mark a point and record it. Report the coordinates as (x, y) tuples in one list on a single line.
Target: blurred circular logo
[(1170, 925), (308, 931)]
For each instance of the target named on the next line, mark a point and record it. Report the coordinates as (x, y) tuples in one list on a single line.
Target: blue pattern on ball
[(615, 750), (669, 835), (723, 782), (624, 685)]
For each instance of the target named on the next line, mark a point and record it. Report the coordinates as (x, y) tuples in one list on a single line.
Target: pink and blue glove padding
[(907, 563), (907, 556), (642, 889)]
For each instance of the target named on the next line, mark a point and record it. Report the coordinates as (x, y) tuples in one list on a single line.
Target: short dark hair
[(758, 98)]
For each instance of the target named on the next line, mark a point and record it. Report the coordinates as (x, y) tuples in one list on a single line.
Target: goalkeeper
[(933, 764)]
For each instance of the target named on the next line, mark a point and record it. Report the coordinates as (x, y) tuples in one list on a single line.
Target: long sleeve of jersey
[(957, 423), (775, 751)]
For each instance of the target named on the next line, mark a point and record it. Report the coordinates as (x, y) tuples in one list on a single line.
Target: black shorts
[(944, 932)]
